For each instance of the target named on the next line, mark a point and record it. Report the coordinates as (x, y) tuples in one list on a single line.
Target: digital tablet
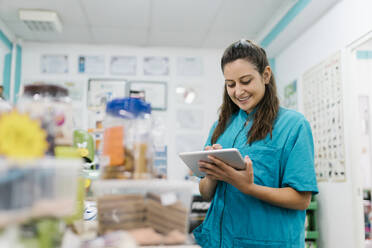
[(230, 156)]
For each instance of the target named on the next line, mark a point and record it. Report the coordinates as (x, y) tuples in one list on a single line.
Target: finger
[(208, 148), (216, 146), (204, 166), (248, 163), (219, 163), (209, 172), (212, 177)]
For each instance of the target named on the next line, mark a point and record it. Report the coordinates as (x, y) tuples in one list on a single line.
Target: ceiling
[(181, 23)]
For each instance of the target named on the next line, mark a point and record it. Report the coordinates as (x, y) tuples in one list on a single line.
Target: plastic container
[(44, 187), (51, 105), (161, 204), (127, 139)]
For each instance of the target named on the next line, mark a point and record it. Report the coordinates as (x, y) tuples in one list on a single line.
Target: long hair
[(266, 110)]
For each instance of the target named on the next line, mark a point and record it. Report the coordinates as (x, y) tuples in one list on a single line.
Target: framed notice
[(153, 92), (91, 64), (101, 91), (54, 64), (123, 65), (156, 66)]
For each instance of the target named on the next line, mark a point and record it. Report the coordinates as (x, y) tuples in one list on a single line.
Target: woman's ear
[(266, 74)]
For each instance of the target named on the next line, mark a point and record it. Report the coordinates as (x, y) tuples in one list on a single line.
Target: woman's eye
[(247, 82), (230, 85)]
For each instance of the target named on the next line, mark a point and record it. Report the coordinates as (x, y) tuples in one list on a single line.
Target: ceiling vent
[(41, 20)]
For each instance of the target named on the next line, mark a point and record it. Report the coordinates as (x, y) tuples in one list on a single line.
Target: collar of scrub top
[(247, 117)]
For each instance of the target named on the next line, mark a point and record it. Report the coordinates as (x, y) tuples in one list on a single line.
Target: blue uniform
[(235, 219)]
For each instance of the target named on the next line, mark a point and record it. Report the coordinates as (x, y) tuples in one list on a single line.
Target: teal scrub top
[(235, 219)]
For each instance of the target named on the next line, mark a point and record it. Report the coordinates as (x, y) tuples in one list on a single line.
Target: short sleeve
[(299, 170), (208, 142)]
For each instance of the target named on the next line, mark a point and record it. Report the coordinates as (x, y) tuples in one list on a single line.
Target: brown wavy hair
[(266, 110)]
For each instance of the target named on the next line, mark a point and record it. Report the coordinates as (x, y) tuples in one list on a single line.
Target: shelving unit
[(312, 232)]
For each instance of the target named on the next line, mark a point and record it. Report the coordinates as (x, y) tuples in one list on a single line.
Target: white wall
[(211, 83), (340, 26), (363, 76)]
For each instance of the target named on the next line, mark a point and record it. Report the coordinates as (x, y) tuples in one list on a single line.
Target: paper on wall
[(156, 65), (91, 64), (123, 65), (54, 64)]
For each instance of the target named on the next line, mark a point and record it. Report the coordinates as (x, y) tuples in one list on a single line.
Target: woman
[(264, 205)]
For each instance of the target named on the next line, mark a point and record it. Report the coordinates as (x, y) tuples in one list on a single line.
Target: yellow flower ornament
[(21, 137)]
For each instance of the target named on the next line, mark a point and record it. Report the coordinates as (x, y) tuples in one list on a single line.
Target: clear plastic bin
[(44, 187), (163, 205)]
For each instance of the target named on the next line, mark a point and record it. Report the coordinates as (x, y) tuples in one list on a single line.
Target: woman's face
[(244, 84)]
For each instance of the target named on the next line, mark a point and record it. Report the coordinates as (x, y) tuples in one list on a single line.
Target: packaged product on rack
[(127, 139), (156, 209), (51, 105)]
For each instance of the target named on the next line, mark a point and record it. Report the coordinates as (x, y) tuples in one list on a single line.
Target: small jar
[(51, 105)]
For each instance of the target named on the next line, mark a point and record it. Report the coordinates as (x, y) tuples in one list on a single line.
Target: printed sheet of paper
[(323, 107), (54, 64), (123, 65), (92, 64), (156, 66)]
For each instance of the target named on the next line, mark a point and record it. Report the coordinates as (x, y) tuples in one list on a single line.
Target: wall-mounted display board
[(323, 107), (100, 91), (153, 92)]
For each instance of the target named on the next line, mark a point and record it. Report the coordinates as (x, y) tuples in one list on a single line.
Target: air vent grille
[(41, 20)]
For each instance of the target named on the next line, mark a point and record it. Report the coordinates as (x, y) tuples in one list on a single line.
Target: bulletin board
[(323, 107), (101, 91), (154, 92)]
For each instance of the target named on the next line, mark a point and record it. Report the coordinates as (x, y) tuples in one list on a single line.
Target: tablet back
[(230, 156)]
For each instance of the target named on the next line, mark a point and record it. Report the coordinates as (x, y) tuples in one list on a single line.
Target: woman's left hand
[(219, 170)]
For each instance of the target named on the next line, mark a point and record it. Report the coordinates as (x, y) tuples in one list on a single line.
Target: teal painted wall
[(18, 68), (7, 64), (283, 23), (7, 67), (364, 54), (6, 75)]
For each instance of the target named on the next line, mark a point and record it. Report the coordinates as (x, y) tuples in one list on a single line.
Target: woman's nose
[(239, 90)]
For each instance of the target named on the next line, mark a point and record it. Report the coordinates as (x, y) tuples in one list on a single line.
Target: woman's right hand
[(207, 185), (213, 147)]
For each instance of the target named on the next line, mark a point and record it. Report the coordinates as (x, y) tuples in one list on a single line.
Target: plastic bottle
[(143, 143), (127, 139)]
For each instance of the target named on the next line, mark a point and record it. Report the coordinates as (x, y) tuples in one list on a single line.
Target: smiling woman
[(264, 205)]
